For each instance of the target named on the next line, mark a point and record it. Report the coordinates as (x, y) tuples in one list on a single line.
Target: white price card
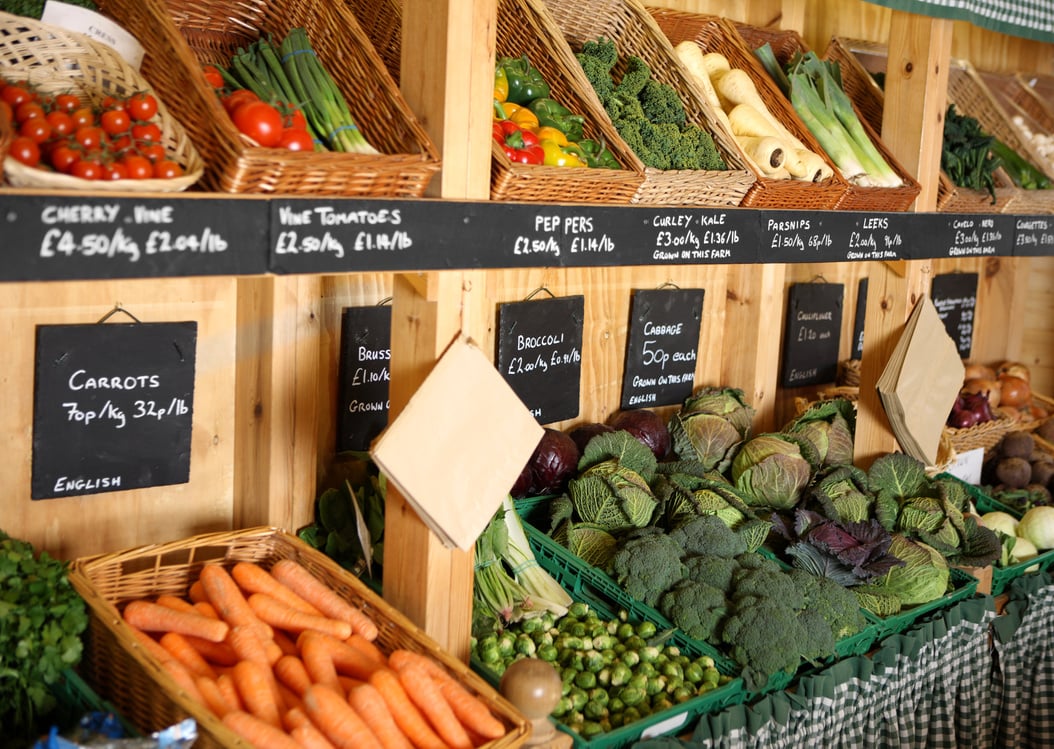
[(97, 26)]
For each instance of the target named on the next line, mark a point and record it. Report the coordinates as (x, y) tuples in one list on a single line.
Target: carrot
[(285, 643), (309, 737), (294, 717), (255, 684), (196, 592), (284, 617), (368, 647), (300, 580), (405, 713), (246, 642), (318, 660), (187, 654), (469, 709), (174, 602), (152, 617), (215, 653), (290, 671), (226, 596), (252, 578), (150, 645), (183, 678), (206, 609), (259, 733), (347, 660), (215, 699), (230, 691), (338, 720), (370, 705), (425, 693)]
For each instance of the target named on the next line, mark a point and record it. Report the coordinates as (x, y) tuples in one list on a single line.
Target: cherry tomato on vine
[(63, 157), (87, 169), (141, 106), (60, 121), (82, 116), (36, 128), (25, 150), (15, 94), (114, 170), (67, 103), (147, 131), (236, 98), (139, 167), (115, 121), (154, 152), (167, 169), (111, 102), (27, 110), (90, 136), (295, 139), (260, 121), (213, 77)]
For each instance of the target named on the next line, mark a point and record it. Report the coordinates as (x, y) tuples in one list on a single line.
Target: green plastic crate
[(75, 698)]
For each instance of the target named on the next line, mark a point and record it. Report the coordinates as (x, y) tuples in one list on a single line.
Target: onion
[(1015, 391), (992, 389), (1014, 369), (979, 371)]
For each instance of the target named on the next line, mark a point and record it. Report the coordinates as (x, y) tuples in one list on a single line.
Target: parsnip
[(807, 165), (767, 152), (689, 53), (736, 88)]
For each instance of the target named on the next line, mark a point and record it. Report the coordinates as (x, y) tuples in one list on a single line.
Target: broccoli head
[(714, 570), (695, 607), (751, 561), (764, 638), (768, 585), (662, 103), (646, 565), (837, 604), (635, 78), (820, 640), (707, 534)]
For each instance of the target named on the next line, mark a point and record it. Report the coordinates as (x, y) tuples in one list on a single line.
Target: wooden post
[(447, 77)]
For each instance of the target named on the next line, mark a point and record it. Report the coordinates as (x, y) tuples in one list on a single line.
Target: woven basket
[(1023, 109), (971, 96), (714, 34), (120, 670), (181, 35), (984, 435), (635, 32), (55, 61), (785, 44)]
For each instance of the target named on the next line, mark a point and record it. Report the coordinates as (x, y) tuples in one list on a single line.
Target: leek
[(545, 591)]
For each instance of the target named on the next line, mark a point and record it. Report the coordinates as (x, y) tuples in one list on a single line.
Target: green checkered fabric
[(930, 687), (1031, 19), (1024, 641)]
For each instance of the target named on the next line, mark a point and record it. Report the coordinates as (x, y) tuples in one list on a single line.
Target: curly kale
[(695, 607), (35, 8), (661, 103), (635, 78), (707, 534), (698, 151), (597, 58), (646, 565)]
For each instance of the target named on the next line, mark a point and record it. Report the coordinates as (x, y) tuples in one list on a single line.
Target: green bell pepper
[(554, 114), (597, 155), (525, 81)]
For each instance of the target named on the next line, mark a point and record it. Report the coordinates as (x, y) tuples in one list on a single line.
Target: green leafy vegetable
[(966, 154), (711, 425), (771, 470)]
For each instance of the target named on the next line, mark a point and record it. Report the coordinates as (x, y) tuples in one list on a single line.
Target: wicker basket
[(714, 34), (1024, 109), (859, 59), (984, 435), (55, 61), (636, 33), (785, 44), (181, 35), (120, 670)]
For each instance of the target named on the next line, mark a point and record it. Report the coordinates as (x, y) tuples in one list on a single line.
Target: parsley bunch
[(41, 620)]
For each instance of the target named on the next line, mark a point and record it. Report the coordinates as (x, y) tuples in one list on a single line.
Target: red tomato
[(121, 143), (153, 151), (236, 98), (63, 157), (90, 136), (27, 110), (15, 94), (167, 169), (115, 121), (36, 128), (260, 121), (213, 76), (148, 131), (24, 149), (139, 167), (7, 114), (295, 139), (114, 170), (87, 169), (294, 118), (141, 106), (82, 116), (67, 103), (111, 102), (60, 121)]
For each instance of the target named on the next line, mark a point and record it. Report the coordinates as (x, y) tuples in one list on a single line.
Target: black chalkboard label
[(858, 320), (955, 297), (112, 407), (832, 236), (540, 354), (1033, 235), (365, 356), (662, 347), (59, 237), (967, 235), (812, 334)]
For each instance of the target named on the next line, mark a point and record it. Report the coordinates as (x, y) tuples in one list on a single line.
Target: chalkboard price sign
[(968, 235), (661, 350), (812, 334), (540, 354), (1033, 235), (955, 297), (365, 355), (112, 407)]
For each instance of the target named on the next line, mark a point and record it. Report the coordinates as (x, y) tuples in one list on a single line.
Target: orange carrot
[(252, 578), (294, 717), (259, 733), (230, 691), (246, 642), (347, 660), (405, 713), (174, 602), (150, 645), (370, 705), (152, 617), (318, 660), (183, 678), (196, 592), (216, 653), (187, 654), (309, 737), (338, 720), (424, 692), (207, 609), (258, 693), (215, 700), (226, 596), (285, 643), (300, 580), (469, 709), (284, 617), (368, 647), (290, 671)]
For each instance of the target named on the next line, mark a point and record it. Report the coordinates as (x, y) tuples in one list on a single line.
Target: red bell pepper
[(521, 146)]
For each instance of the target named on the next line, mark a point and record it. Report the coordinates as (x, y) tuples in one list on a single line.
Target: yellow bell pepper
[(554, 155), (522, 116), (501, 85), (547, 132)]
